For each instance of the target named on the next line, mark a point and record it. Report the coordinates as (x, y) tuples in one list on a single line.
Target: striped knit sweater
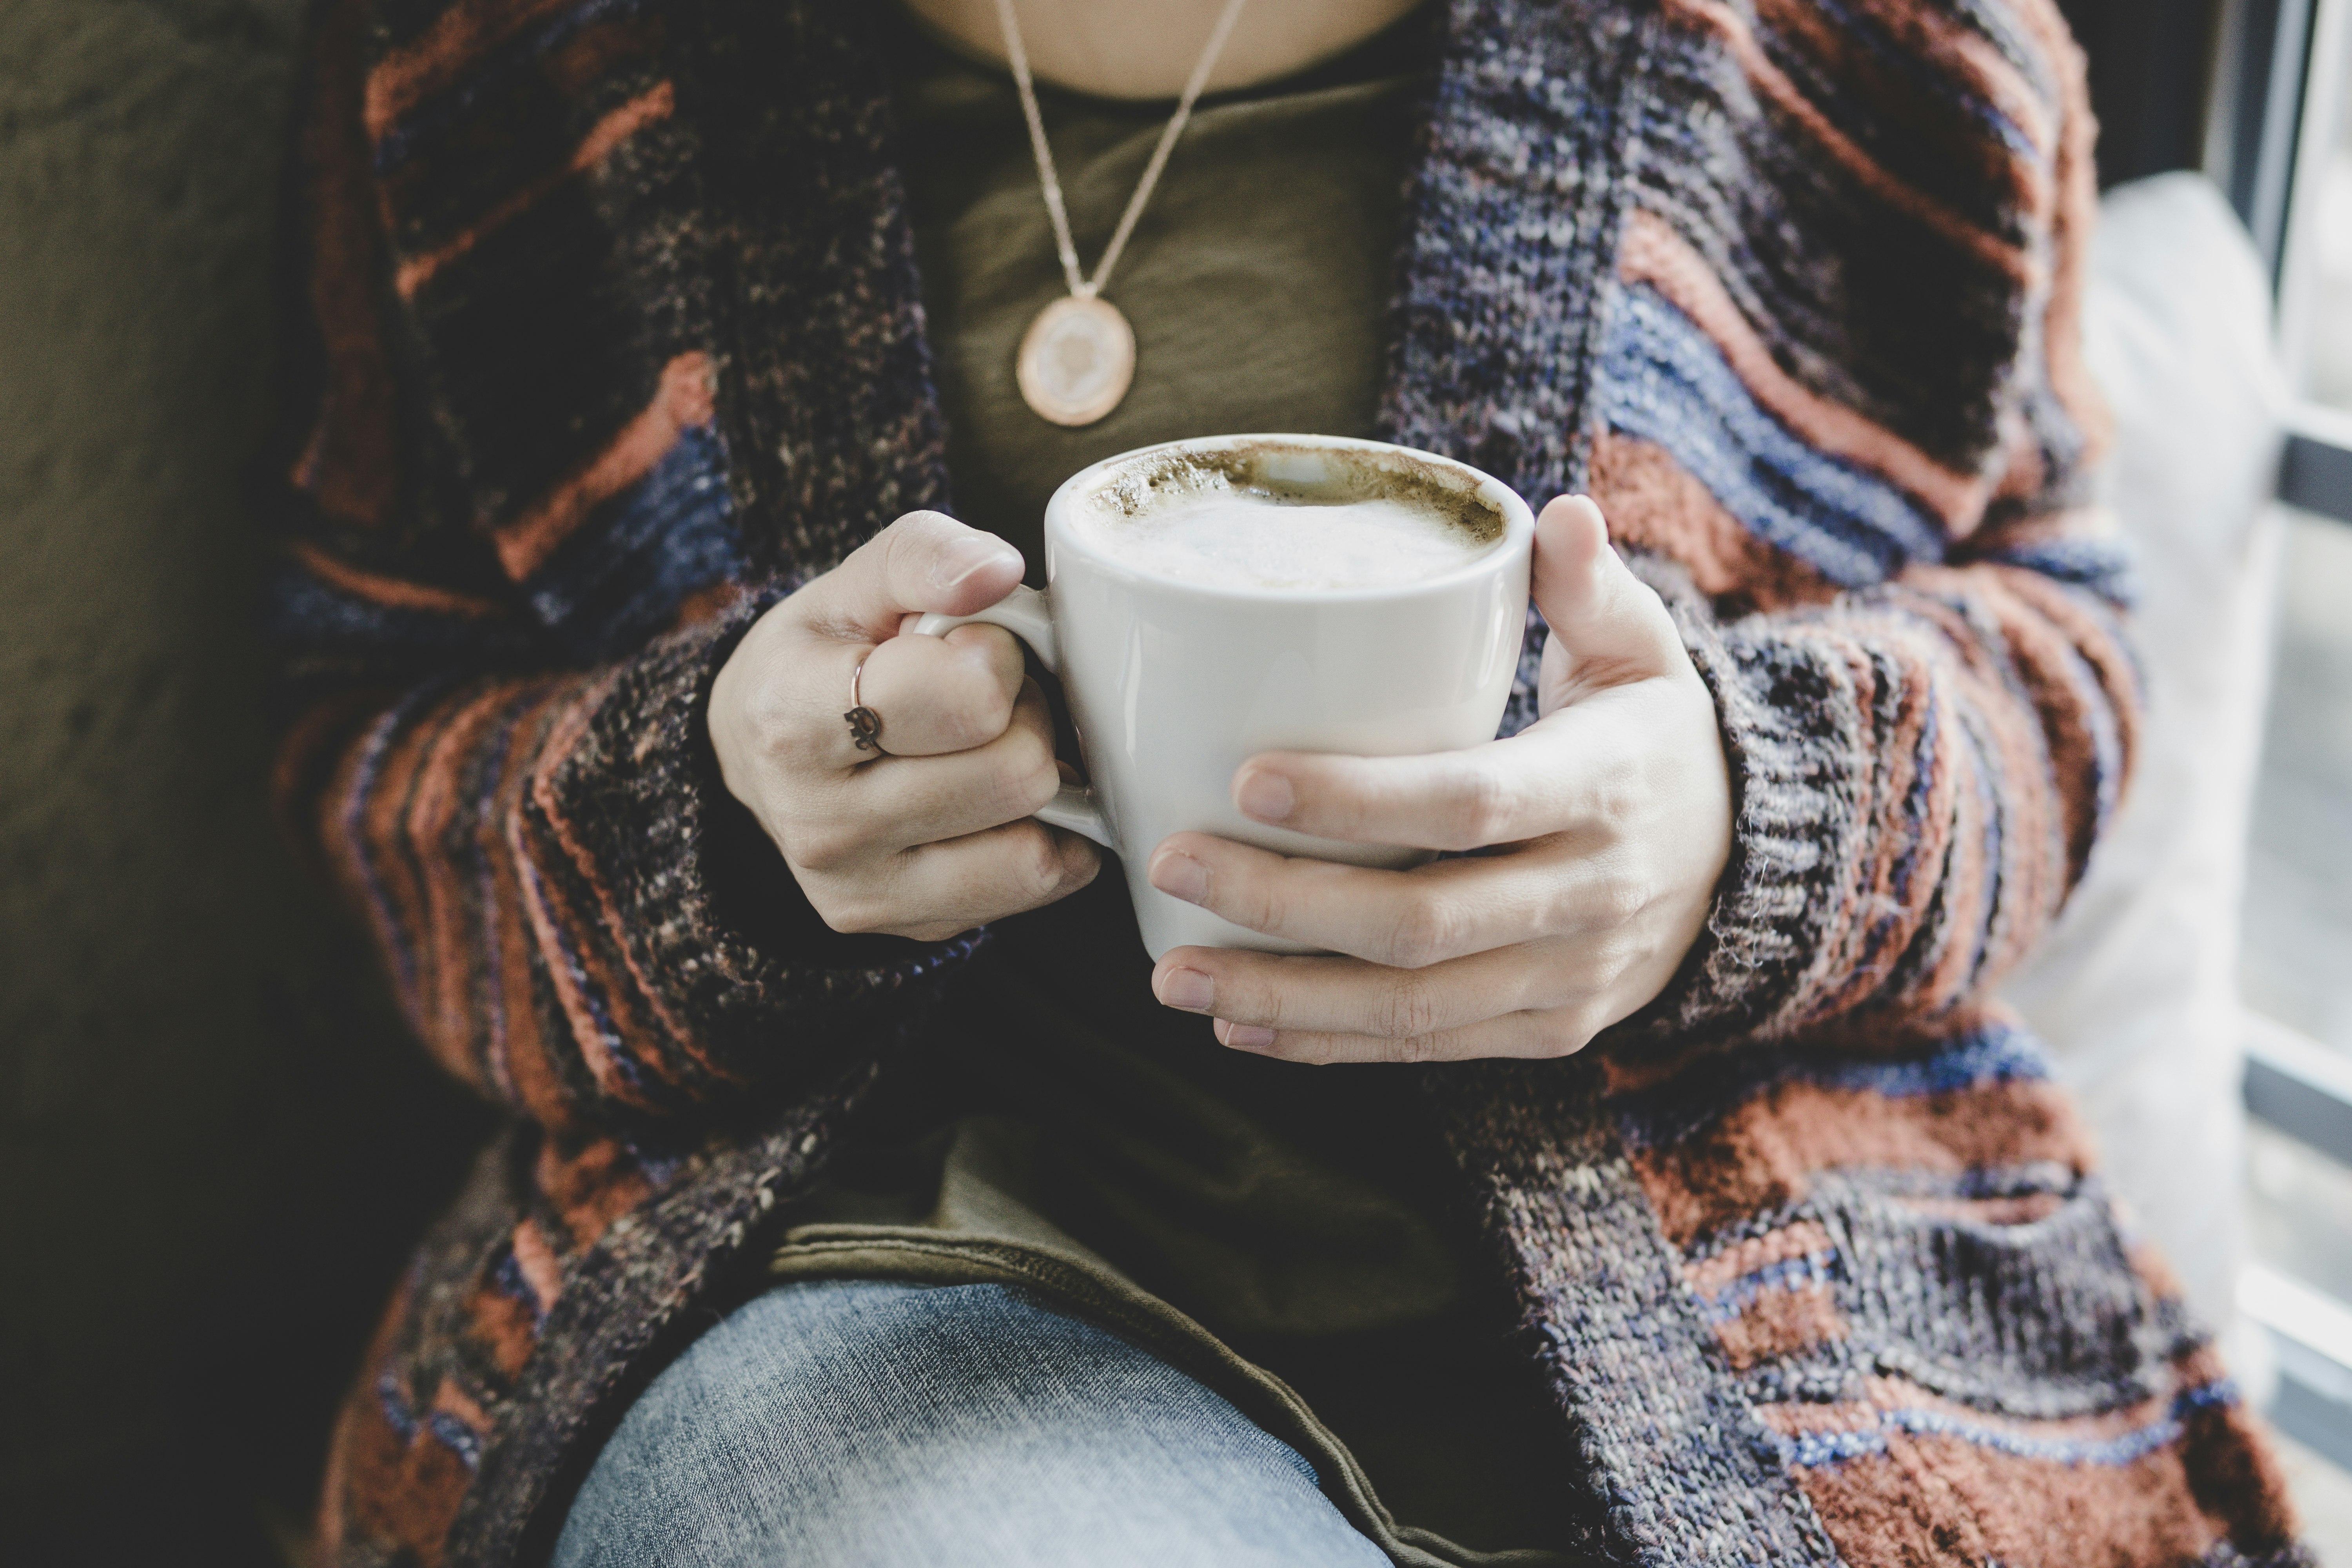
[(608, 332)]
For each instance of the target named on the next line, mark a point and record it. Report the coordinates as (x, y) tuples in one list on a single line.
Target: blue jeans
[(881, 1423)]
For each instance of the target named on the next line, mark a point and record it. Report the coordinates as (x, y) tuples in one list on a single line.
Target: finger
[(938, 890), (926, 560), (936, 695), (925, 799), (1611, 626), (1498, 793), (1557, 1032), (1406, 919), (1327, 995)]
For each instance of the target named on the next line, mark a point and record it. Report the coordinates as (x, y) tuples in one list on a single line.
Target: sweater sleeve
[(1921, 771), (494, 736), (1915, 639)]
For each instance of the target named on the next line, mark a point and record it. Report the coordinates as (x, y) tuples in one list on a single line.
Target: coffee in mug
[(1207, 600), (1357, 525)]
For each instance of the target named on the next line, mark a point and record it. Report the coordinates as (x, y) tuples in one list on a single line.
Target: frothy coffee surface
[(1333, 525)]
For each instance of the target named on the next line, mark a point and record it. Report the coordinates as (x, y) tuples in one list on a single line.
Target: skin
[(1615, 808), (1146, 48)]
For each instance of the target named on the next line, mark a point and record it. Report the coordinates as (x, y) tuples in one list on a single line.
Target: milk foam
[(1228, 537)]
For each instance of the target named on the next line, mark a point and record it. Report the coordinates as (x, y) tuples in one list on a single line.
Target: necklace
[(1077, 357)]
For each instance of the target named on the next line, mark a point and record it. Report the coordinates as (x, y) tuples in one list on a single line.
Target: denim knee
[(877, 1423)]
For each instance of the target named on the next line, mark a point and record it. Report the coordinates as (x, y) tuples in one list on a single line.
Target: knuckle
[(1257, 903), (1481, 808), (1036, 861), (1413, 1049), (1622, 894), (1564, 1033), (1427, 931), (1019, 785), (964, 726), (1030, 755), (848, 914), (1406, 1010), (772, 721), (979, 710), (825, 847)]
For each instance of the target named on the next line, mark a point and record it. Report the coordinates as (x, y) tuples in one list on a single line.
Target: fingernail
[(1189, 989), (1265, 795), (966, 556), (1248, 1036), (1180, 877)]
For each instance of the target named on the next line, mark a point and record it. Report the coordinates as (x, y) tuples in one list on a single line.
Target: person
[(1673, 1192)]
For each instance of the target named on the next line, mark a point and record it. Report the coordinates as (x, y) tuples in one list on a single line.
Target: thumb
[(1607, 626), (925, 560)]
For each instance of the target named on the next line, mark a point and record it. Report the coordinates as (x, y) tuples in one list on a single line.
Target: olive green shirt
[(1278, 1230)]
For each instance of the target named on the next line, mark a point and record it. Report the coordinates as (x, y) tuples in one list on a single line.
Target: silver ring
[(865, 724)]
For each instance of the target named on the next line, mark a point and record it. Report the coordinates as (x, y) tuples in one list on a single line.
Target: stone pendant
[(1076, 360)]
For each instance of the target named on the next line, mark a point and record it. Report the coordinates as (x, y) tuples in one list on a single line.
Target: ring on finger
[(865, 724)]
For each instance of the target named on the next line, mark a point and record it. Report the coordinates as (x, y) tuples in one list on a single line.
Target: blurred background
[(215, 1146)]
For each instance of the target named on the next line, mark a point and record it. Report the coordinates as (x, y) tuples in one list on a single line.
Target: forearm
[(570, 914)]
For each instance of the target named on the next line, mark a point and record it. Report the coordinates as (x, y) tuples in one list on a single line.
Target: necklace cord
[(1080, 287)]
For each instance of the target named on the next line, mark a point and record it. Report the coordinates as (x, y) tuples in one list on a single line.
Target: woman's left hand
[(1616, 809)]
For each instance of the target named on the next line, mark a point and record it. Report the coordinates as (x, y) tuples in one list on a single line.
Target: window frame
[(2282, 72), (2280, 82)]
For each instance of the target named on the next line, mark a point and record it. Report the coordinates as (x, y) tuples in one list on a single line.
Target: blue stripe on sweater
[(306, 614), (622, 577), (1663, 380), (1815, 1449), (2102, 565), (1789, 1274), (1659, 1116)]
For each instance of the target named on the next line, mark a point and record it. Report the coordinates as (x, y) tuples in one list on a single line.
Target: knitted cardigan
[(608, 332)]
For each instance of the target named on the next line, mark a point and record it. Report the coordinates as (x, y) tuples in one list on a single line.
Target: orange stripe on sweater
[(351, 463), (517, 1055), (372, 859), (1803, 1239), (2091, 638), (1943, 1502), (1948, 124), (1653, 503), (591, 1186), (1976, 723), (627, 1003), (1931, 1499), (682, 402), (1769, 78), (609, 132), (452, 999), (1896, 710), (616, 927), (1782, 1321), (1761, 1155), (2075, 186), (1655, 254), (2037, 766), (538, 892), (542, 1269), (1930, 36), (453, 44), (393, 593)]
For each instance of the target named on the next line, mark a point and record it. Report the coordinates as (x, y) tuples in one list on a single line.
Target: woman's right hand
[(936, 837)]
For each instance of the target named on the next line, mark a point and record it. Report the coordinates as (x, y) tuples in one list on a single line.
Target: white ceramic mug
[(1173, 684)]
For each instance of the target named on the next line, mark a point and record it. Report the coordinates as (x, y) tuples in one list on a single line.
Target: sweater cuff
[(1792, 818), (720, 931)]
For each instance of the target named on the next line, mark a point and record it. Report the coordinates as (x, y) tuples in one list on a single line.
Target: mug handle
[(1028, 614)]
